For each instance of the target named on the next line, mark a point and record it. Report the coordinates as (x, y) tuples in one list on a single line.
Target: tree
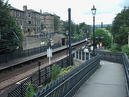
[(10, 34), (84, 28), (102, 35), (73, 27), (120, 27), (108, 27)]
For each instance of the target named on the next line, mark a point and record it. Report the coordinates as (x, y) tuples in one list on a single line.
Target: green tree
[(108, 27), (73, 27), (120, 27), (84, 28), (102, 35), (10, 34)]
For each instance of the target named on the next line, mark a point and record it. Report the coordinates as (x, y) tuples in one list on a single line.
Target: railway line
[(9, 77)]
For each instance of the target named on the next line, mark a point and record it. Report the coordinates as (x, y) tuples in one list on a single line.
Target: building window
[(29, 22), (29, 15), (28, 30)]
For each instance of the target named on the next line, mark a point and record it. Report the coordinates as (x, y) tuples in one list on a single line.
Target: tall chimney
[(24, 7), (41, 11)]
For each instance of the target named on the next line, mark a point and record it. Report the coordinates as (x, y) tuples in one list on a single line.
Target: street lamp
[(93, 10), (69, 37)]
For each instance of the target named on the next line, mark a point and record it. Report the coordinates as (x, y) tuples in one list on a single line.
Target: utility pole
[(69, 35)]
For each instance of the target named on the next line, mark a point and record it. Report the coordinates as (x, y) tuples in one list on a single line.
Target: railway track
[(9, 78)]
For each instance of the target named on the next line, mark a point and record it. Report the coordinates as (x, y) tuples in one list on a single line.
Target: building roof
[(46, 13), (13, 8), (34, 11)]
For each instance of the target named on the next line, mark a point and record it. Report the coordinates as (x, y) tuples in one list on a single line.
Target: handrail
[(72, 82), (119, 57)]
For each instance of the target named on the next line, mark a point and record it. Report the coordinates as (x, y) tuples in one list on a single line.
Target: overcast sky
[(81, 9)]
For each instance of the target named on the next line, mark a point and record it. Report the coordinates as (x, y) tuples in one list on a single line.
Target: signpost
[(49, 54)]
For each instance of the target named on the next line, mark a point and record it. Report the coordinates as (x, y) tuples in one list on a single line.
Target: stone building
[(32, 25), (47, 23), (35, 23), (18, 15)]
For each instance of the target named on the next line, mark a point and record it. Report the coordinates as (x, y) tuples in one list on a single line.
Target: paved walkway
[(108, 81)]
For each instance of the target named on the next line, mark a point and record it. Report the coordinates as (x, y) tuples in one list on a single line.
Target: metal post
[(85, 56), (39, 64), (49, 57), (75, 55), (94, 35), (69, 34), (89, 55), (81, 55)]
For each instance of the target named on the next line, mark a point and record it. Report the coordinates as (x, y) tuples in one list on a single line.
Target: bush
[(66, 70), (115, 47), (55, 71), (125, 49), (29, 91)]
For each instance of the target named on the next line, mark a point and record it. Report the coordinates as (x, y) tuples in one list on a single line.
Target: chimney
[(101, 24), (24, 7), (9, 5), (41, 11)]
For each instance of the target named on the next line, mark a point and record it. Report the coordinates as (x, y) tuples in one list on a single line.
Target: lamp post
[(93, 10), (69, 36)]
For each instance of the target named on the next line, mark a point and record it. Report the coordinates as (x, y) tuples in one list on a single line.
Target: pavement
[(107, 81)]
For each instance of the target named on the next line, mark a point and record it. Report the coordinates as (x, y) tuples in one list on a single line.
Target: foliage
[(56, 69), (120, 27), (78, 36), (108, 27), (73, 27), (66, 70), (115, 47), (77, 30), (85, 28), (29, 91), (10, 34), (125, 49), (103, 36)]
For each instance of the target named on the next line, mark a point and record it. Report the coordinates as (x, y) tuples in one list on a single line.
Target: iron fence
[(4, 58), (67, 85), (41, 77), (119, 58)]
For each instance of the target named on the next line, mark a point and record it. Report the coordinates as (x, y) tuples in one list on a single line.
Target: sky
[(80, 9)]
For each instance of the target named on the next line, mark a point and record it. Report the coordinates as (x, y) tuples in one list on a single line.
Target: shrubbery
[(66, 70), (29, 91), (56, 69), (115, 47), (125, 49)]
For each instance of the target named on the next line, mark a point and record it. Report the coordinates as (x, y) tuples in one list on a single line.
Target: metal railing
[(118, 58), (4, 58), (41, 77), (67, 85)]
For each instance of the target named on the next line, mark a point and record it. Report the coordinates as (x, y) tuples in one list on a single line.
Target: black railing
[(4, 58), (24, 53), (119, 58), (41, 77), (67, 85)]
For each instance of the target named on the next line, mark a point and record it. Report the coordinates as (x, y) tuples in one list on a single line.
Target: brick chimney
[(24, 7)]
